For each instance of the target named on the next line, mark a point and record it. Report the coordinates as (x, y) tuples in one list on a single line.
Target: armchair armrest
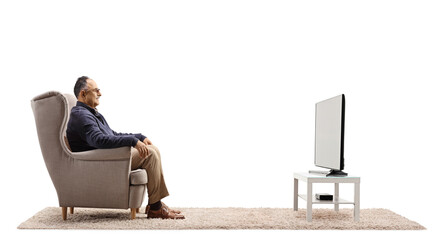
[(96, 178), (122, 153)]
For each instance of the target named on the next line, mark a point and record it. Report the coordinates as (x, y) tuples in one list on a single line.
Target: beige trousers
[(153, 166)]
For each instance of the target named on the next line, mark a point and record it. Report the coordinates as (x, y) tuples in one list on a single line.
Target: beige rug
[(223, 218)]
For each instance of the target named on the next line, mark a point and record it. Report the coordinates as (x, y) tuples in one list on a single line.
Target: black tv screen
[(329, 134)]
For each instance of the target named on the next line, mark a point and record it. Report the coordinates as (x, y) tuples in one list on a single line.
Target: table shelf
[(335, 201)]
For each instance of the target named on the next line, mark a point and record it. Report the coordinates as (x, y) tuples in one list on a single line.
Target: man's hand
[(147, 141), (143, 150)]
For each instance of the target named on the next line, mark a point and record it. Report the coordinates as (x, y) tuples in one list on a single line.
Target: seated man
[(87, 129)]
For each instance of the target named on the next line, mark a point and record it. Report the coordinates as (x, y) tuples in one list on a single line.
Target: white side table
[(310, 178)]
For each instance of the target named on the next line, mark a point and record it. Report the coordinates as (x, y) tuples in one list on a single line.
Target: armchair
[(100, 178)]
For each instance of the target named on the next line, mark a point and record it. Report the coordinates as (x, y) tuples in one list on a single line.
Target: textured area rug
[(223, 218)]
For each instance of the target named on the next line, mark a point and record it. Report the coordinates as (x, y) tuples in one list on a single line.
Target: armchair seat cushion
[(138, 177)]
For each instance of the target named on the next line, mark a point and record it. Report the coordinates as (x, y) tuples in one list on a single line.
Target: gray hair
[(80, 85)]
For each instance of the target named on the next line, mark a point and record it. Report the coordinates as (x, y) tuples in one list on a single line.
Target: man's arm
[(139, 136), (96, 138), (136, 135)]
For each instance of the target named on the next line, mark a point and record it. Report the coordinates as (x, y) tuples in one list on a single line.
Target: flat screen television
[(329, 135)]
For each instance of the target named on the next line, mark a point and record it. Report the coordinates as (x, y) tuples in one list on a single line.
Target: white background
[(226, 90)]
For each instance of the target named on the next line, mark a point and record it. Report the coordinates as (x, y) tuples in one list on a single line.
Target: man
[(87, 129)]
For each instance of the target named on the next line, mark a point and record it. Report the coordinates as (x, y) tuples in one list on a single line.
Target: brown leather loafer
[(163, 213), (170, 210)]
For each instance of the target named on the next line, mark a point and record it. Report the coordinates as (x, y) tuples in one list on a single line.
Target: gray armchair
[(100, 178)]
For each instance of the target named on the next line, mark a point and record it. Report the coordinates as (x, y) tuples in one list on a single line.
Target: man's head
[(87, 91)]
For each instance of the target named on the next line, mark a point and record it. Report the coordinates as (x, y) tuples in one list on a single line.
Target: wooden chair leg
[(64, 213), (133, 213), (137, 210), (71, 210)]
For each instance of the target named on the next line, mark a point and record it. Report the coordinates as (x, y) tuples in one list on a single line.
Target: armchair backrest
[(51, 111)]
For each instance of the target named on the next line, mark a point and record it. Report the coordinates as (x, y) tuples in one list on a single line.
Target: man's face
[(92, 94)]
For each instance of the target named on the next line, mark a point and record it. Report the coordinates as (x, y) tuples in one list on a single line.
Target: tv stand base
[(331, 173)]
